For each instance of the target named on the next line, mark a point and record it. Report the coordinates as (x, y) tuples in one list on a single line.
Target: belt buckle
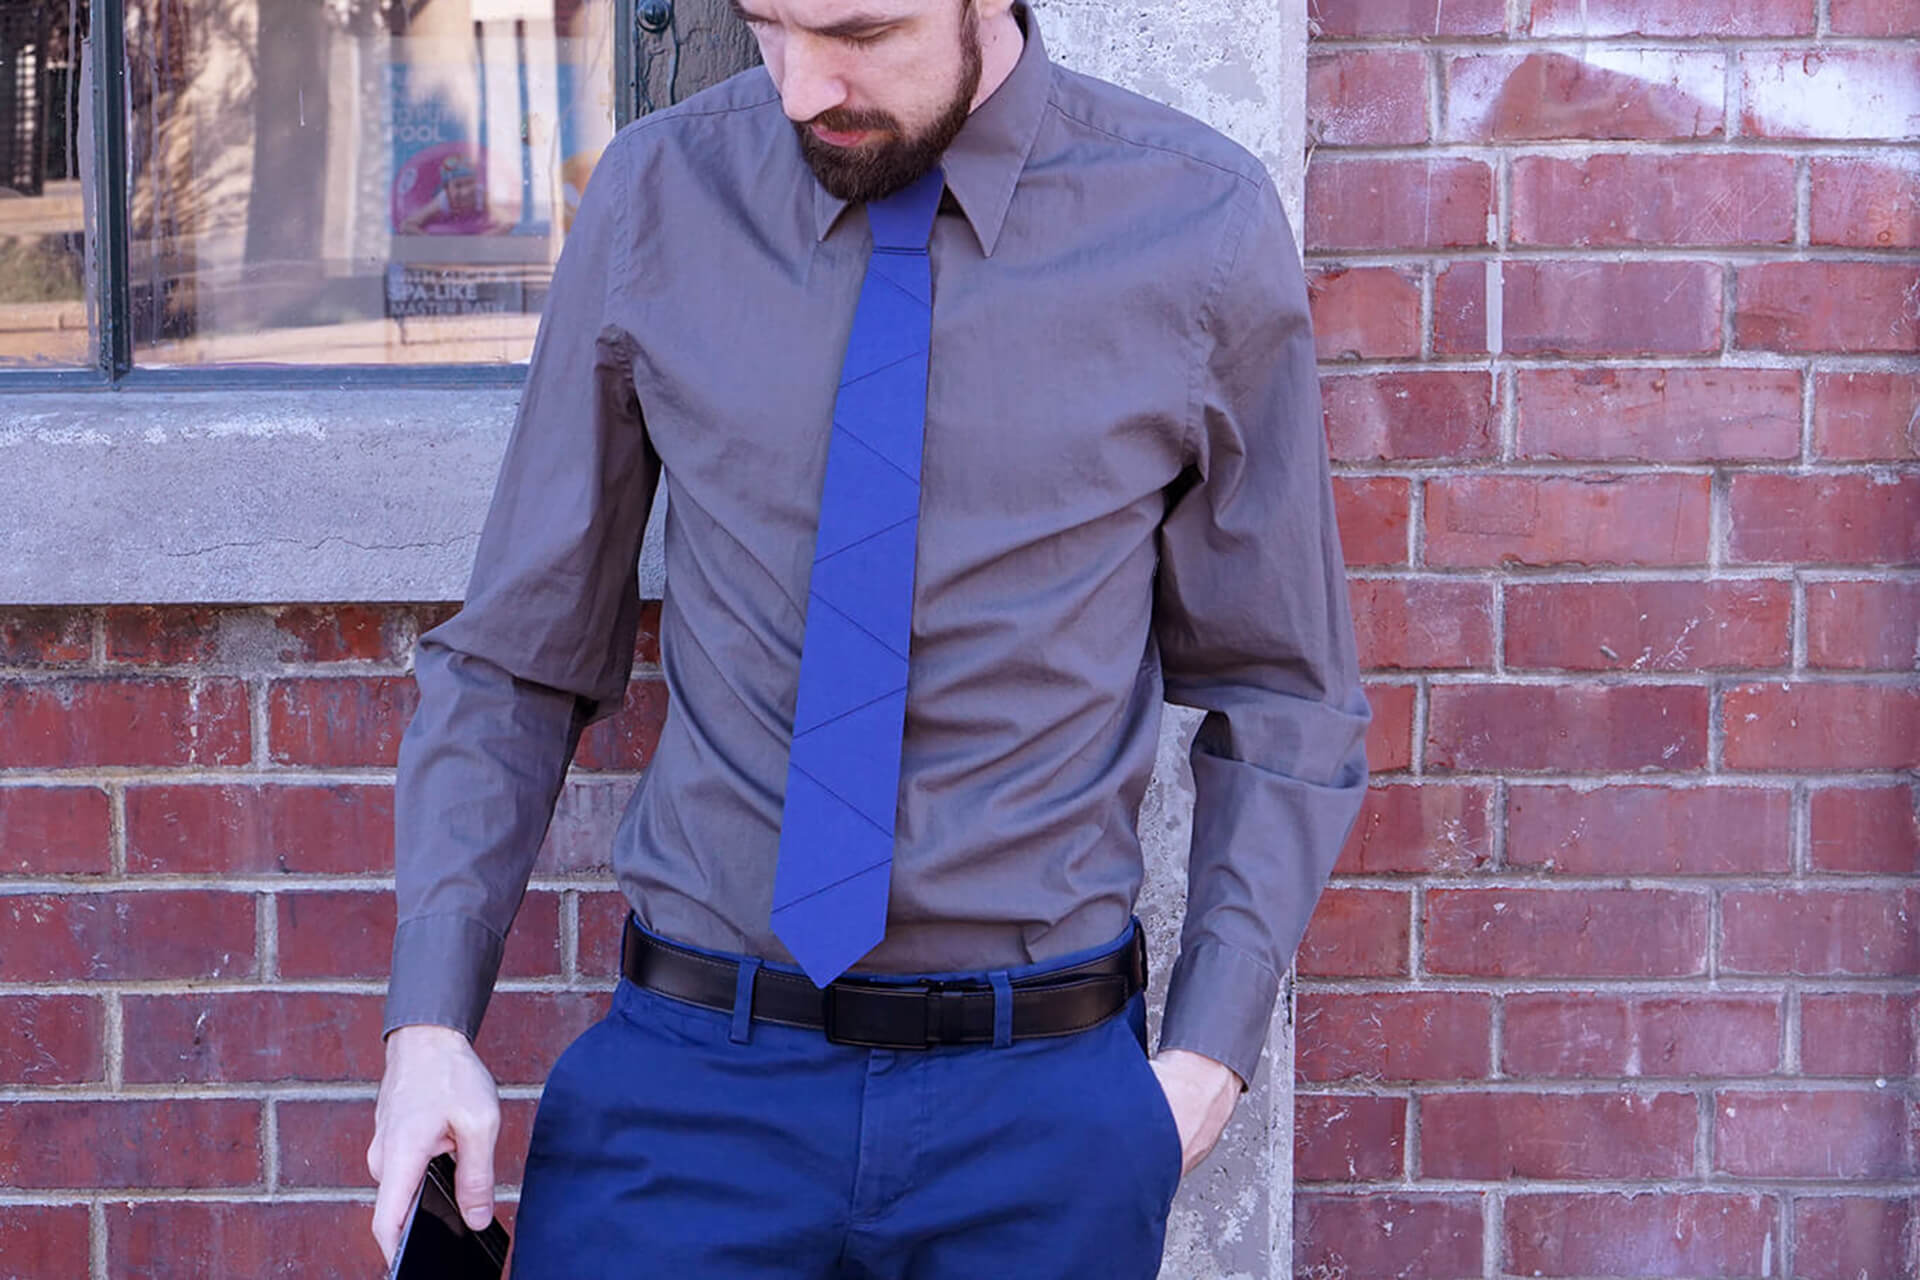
[(939, 1003)]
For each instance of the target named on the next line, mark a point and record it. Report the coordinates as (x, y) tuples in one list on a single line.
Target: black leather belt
[(886, 1015)]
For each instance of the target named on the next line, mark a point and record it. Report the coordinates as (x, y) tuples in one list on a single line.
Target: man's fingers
[(473, 1138), (404, 1172)]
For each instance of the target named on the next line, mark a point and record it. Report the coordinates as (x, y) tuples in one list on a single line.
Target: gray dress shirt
[(1125, 496)]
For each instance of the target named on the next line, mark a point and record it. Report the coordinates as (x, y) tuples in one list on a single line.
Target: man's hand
[(1201, 1093), (435, 1096)]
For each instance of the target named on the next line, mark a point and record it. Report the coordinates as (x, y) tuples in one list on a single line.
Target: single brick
[(580, 837), (110, 720), (348, 933), (1652, 831), (1399, 204), (246, 829), (1425, 828), (1813, 1134), (1462, 323), (247, 1036), (1658, 415), (1854, 933), (625, 740), (1348, 1137), (1364, 312), (1717, 18), (1874, 18), (1864, 626), (245, 1238), (1411, 414), (1649, 1234), (339, 722), (51, 1039), (162, 635), (1824, 519), (1867, 416), (1859, 1034), (143, 1144), (1617, 200), (1373, 512), (1404, 1035), (1830, 93), (1431, 19), (46, 831), (1648, 626), (1390, 736), (1366, 97), (1386, 1236), (1875, 830), (184, 933), (1476, 520), (1865, 204), (1357, 933), (1638, 93), (1557, 1135), (44, 1240), (601, 917), (1824, 727), (1422, 623), (1857, 1237), (1589, 1035), (525, 1031), (344, 632), (1566, 933), (1851, 307), (45, 637), (1523, 728), (324, 1143), (1609, 308)]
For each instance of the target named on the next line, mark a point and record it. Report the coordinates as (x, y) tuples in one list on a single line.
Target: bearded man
[(985, 394)]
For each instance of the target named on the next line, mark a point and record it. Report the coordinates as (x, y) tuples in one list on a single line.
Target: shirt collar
[(984, 161)]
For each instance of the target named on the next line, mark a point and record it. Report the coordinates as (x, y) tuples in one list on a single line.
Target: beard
[(876, 169)]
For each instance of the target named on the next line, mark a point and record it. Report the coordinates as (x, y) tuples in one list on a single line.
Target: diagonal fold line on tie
[(857, 627), (836, 840)]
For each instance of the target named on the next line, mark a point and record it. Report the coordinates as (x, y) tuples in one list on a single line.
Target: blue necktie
[(843, 772)]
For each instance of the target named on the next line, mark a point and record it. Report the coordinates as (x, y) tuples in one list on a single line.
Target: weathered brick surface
[(1650, 830), (1593, 1035), (1359, 97), (1658, 414), (1556, 1135), (1476, 520), (1345, 1137), (1649, 626), (1566, 728), (1866, 416), (1620, 199), (1857, 1237), (1377, 1236), (1566, 933), (1838, 1133), (1410, 415), (54, 831), (1703, 1234)]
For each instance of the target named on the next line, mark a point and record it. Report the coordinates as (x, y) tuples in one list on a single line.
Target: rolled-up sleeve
[(543, 645), (1253, 627)]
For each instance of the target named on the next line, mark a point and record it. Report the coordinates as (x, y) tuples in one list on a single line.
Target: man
[(986, 396)]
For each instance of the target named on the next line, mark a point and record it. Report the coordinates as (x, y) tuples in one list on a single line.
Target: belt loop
[(743, 1000), (1002, 1008)]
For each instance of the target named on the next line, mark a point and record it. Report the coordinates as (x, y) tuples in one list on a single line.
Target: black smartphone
[(437, 1244)]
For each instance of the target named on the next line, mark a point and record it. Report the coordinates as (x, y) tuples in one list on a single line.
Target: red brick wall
[(196, 845), (1617, 976)]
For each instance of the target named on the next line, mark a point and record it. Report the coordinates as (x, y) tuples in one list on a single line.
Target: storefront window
[(356, 181), (43, 294)]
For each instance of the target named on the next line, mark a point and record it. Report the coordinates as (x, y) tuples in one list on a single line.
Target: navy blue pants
[(682, 1142)]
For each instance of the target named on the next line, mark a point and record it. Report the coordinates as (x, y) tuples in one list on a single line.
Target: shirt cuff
[(443, 972), (1220, 1003)]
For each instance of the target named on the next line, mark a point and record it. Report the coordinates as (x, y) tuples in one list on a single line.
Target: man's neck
[(1000, 43)]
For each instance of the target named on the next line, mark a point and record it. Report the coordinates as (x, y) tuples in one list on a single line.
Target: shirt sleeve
[(1252, 623), (543, 645)]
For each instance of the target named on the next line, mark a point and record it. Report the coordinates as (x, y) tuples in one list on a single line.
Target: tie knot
[(904, 220)]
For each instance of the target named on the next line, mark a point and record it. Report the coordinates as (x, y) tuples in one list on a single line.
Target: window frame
[(109, 287)]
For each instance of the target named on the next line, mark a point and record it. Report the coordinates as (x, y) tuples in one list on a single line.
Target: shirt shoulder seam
[(1053, 100)]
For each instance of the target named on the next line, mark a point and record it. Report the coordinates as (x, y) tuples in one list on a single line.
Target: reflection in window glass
[(356, 181), (43, 308)]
